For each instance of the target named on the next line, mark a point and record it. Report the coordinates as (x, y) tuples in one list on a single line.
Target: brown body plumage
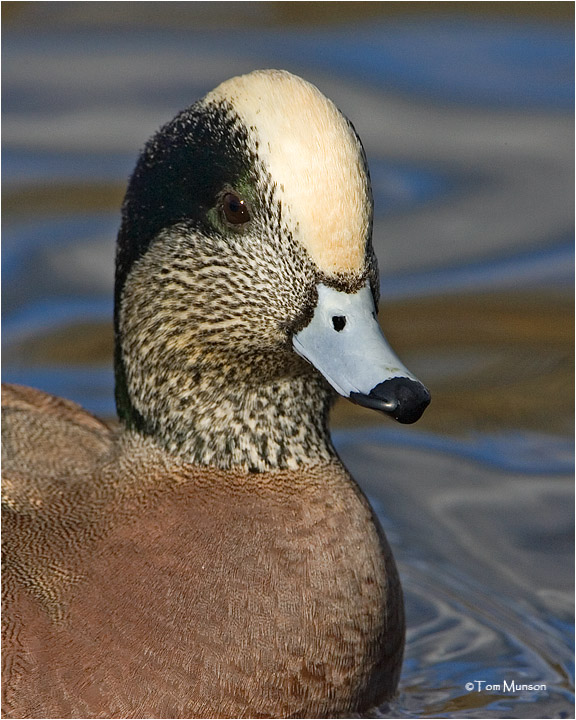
[(210, 557), (139, 586)]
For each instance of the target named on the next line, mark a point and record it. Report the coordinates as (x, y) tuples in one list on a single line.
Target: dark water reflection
[(468, 130)]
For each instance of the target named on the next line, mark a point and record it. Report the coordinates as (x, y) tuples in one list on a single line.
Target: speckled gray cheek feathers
[(206, 324), (205, 314)]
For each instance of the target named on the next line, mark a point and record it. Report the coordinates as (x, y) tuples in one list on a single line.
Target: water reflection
[(480, 604)]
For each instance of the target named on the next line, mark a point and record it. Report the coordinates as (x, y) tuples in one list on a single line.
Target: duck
[(209, 555)]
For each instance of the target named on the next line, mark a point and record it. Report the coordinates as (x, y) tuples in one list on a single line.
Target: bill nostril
[(339, 322)]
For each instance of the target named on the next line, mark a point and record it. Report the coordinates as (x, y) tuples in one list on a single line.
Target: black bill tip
[(403, 399)]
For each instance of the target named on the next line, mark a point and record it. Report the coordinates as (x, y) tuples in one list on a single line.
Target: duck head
[(246, 282)]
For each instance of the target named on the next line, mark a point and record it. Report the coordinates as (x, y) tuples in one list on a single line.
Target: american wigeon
[(213, 557)]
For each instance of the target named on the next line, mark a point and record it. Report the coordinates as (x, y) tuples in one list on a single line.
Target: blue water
[(498, 64), (502, 64), (522, 452)]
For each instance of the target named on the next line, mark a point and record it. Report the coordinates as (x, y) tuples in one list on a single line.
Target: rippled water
[(483, 539), (468, 131)]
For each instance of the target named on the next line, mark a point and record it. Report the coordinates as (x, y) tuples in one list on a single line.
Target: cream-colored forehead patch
[(314, 158)]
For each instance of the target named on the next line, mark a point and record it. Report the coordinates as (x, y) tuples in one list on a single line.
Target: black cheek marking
[(178, 175)]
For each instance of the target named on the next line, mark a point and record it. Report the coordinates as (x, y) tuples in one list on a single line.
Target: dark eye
[(235, 209)]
